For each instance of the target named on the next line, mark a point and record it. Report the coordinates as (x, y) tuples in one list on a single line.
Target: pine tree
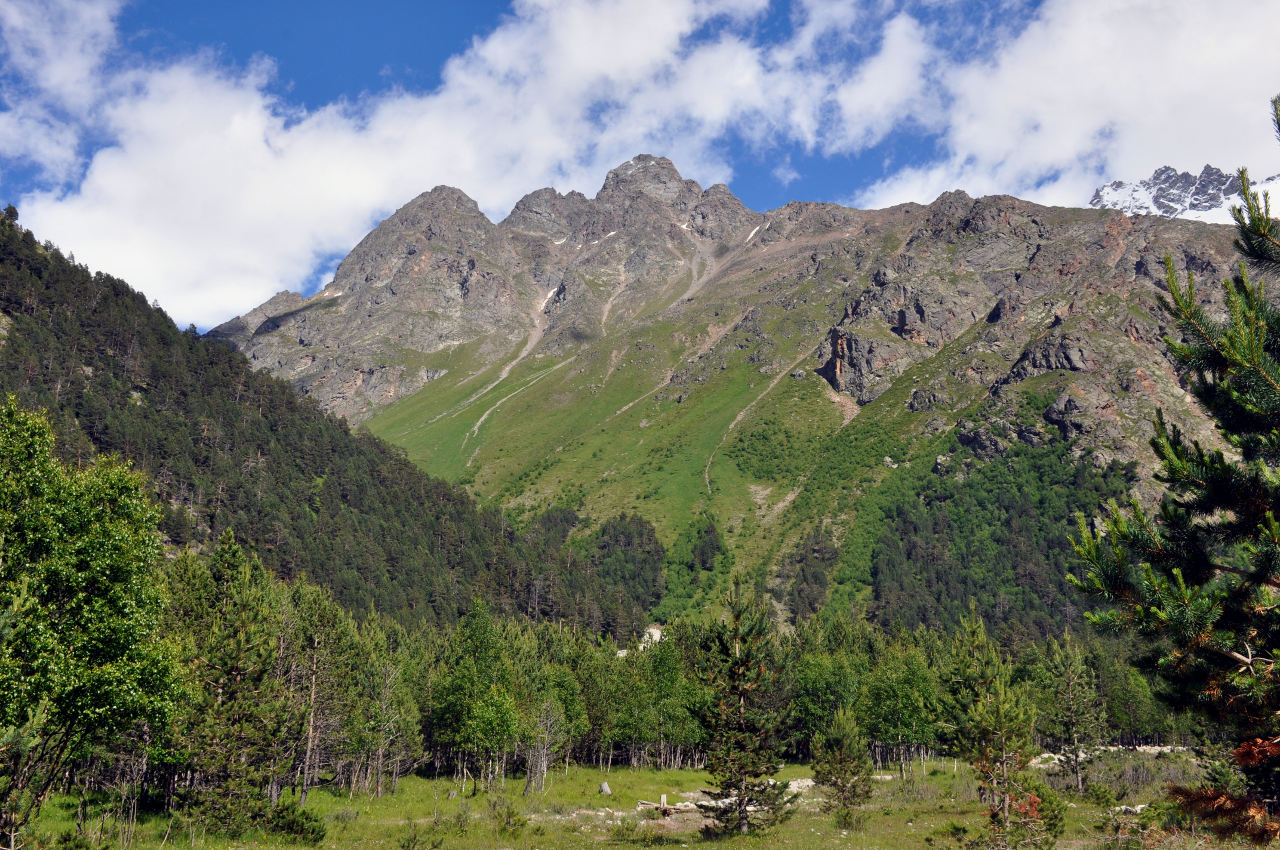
[(842, 766), (1072, 714), (1203, 573), (998, 740), (242, 728), (742, 721)]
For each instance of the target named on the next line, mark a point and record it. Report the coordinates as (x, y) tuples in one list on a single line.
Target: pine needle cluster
[(1201, 575)]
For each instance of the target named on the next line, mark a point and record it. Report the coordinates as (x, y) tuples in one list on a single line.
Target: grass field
[(940, 809)]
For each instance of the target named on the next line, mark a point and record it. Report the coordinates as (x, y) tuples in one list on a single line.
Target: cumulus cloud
[(1094, 91), (210, 192)]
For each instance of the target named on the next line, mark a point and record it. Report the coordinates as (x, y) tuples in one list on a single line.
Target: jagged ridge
[(1169, 193)]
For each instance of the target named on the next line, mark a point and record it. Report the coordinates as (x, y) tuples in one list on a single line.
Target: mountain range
[(662, 349), (1207, 196)]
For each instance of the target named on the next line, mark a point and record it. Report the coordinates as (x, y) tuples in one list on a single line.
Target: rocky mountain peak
[(546, 212), (1169, 193), (651, 176)]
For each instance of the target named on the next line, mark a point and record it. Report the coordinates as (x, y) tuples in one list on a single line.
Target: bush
[(850, 818), (506, 815), (1099, 794)]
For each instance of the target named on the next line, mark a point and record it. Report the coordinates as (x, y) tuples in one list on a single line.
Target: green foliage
[(507, 818), (1070, 706), (771, 451), (807, 573), (80, 654), (226, 447), (999, 536), (288, 819), (1202, 575), (900, 701), (841, 765), (741, 717), (240, 716), (696, 564)]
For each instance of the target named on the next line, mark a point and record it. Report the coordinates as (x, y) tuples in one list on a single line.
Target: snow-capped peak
[(1173, 194)]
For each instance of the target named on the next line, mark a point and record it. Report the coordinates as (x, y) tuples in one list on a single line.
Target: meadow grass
[(939, 808)]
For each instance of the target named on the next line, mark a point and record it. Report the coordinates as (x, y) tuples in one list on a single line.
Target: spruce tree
[(1202, 574)]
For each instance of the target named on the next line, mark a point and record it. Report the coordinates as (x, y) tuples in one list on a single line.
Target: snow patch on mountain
[(1169, 193)]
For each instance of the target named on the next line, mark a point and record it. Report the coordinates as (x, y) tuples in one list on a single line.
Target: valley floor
[(940, 809)]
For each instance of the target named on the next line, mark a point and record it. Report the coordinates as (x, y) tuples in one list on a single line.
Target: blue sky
[(213, 154)]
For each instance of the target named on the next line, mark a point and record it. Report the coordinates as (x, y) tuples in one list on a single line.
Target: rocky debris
[(927, 399), (979, 440), (1057, 350), (1068, 415), (1031, 435)]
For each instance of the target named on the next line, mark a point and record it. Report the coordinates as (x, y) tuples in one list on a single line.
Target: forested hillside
[(230, 448)]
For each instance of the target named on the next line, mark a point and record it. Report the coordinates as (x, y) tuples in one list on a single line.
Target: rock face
[(438, 274), (1207, 196), (1018, 293)]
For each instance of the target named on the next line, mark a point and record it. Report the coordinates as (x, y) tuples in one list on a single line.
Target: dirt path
[(475, 429), (715, 333)]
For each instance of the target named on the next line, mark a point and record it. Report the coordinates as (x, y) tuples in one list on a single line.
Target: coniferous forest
[(221, 611)]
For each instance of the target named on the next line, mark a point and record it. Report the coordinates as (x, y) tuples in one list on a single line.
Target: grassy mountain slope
[(715, 404), (814, 370)]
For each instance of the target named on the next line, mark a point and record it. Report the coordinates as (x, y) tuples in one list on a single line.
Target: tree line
[(205, 686)]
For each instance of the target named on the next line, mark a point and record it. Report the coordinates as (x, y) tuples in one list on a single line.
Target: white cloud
[(198, 185), (785, 173), (58, 45), (1093, 91), (890, 89)]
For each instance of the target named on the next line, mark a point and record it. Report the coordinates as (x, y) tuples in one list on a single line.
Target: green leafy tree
[(841, 765), (742, 719), (1202, 574), (80, 655), (900, 706)]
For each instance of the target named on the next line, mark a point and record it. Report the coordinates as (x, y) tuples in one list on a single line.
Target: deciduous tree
[(80, 657)]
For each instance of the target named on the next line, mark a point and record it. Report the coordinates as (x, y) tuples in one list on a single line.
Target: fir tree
[(1203, 574)]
